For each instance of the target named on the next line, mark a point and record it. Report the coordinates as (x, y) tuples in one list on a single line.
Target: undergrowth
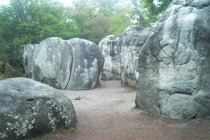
[(57, 133), (2, 77), (125, 85)]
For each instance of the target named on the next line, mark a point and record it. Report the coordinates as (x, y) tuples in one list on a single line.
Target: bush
[(1, 77), (1, 66)]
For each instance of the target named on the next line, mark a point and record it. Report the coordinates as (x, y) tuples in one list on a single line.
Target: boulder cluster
[(168, 65), (67, 64), (120, 54)]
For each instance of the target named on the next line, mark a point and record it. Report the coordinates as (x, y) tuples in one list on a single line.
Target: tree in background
[(97, 28), (147, 12), (31, 21), (99, 18), (82, 12), (120, 20), (107, 7), (139, 14)]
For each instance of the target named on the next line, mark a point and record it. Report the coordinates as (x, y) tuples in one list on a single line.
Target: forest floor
[(108, 113)]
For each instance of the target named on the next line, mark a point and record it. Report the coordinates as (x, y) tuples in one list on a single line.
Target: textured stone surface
[(173, 64), (68, 64), (29, 108), (130, 42), (120, 54), (111, 52)]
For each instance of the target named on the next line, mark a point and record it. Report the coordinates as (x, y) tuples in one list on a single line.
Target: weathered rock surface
[(111, 52), (120, 54), (173, 64), (68, 64), (29, 108), (131, 42)]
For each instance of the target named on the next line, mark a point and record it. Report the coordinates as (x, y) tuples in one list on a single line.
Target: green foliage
[(31, 21), (1, 76), (107, 7), (1, 70), (155, 8), (59, 132), (146, 12), (120, 20), (97, 28), (139, 14), (99, 18), (82, 12), (1, 66)]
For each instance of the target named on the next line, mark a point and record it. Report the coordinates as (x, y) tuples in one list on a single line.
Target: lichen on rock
[(29, 108)]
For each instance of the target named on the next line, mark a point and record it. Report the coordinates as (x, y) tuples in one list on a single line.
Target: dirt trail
[(108, 113)]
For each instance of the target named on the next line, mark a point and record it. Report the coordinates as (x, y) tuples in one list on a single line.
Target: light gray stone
[(121, 53), (130, 43), (29, 108), (111, 52), (174, 65), (66, 64)]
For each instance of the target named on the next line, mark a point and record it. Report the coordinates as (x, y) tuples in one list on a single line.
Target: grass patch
[(126, 85), (202, 120), (57, 133), (2, 77)]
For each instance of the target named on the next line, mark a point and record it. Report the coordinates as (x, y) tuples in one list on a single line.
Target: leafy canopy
[(147, 12), (30, 21)]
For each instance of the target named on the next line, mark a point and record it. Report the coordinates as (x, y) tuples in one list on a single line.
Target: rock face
[(173, 65), (111, 52), (120, 54), (29, 108), (68, 64), (131, 42)]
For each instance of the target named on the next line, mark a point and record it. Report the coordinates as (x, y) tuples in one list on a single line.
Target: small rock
[(78, 98)]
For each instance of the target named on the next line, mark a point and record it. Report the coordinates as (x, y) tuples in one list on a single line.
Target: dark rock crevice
[(70, 67)]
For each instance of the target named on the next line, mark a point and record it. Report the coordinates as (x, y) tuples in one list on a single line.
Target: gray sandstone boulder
[(174, 63), (66, 64), (29, 108), (131, 42), (111, 52), (120, 54)]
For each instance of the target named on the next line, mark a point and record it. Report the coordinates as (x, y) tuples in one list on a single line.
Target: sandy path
[(108, 113)]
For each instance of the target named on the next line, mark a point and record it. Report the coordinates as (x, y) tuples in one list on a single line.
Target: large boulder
[(68, 64), (120, 54), (173, 64), (130, 42), (29, 108), (111, 52)]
